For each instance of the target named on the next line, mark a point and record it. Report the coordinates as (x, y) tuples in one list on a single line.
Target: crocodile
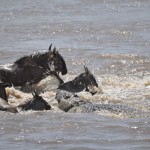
[(71, 102)]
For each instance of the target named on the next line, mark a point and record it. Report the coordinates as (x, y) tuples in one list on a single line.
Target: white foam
[(6, 66)]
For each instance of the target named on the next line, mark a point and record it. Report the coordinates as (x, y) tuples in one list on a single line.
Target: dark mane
[(37, 55), (31, 58), (20, 60), (78, 78), (40, 58), (25, 61)]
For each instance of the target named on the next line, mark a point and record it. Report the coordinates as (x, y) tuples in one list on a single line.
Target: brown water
[(111, 38)]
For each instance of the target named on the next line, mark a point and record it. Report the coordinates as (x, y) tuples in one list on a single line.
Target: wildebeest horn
[(86, 69), (50, 47), (54, 50)]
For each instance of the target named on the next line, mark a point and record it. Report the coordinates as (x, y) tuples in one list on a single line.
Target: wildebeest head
[(51, 61), (85, 81), (37, 103), (56, 61), (89, 80)]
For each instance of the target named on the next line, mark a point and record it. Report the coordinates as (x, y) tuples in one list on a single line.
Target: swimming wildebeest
[(36, 103), (85, 81), (32, 69)]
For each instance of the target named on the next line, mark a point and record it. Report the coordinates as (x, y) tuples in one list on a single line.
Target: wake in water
[(116, 96)]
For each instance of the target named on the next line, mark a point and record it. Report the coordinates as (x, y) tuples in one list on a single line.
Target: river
[(111, 38)]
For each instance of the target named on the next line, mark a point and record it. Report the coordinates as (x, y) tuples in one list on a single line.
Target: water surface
[(111, 38)]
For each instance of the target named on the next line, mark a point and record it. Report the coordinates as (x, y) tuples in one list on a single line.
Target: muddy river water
[(111, 38)]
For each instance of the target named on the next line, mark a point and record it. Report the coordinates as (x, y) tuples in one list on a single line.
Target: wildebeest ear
[(54, 50), (86, 69), (50, 47)]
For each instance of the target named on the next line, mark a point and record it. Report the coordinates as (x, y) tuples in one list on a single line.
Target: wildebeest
[(36, 103), (85, 81), (32, 69)]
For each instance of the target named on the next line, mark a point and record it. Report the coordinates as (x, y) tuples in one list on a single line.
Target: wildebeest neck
[(64, 67), (76, 85), (72, 86)]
